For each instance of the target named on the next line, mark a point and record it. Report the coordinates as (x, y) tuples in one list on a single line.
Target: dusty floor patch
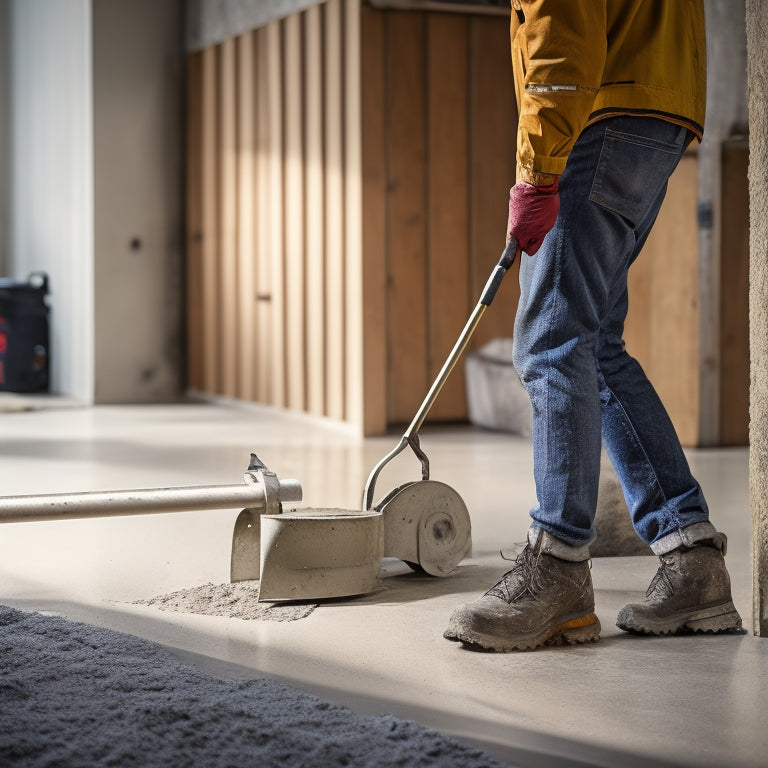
[(236, 601)]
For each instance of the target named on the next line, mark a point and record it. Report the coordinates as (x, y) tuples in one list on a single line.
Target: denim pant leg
[(661, 493), (610, 193)]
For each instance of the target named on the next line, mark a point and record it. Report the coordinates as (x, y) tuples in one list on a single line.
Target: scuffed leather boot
[(543, 600), (691, 592)]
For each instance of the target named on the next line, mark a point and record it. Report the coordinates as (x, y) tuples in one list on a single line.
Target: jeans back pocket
[(633, 169)]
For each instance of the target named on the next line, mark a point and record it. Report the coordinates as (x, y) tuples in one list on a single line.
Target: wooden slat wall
[(227, 216), (439, 141), (406, 150), (734, 295), (662, 327), (334, 209), (315, 213), (293, 218), (355, 339), (274, 221), (194, 224), (374, 231), (448, 201), (348, 174), (246, 215), (348, 171), (210, 331)]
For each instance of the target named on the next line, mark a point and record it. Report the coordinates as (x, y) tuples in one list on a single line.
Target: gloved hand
[(532, 213)]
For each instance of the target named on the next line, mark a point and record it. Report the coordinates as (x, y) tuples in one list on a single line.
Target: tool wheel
[(427, 526)]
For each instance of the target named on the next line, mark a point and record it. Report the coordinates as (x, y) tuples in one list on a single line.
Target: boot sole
[(574, 631), (714, 620)]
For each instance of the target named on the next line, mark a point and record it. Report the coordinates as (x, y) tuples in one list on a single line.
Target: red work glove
[(532, 213)]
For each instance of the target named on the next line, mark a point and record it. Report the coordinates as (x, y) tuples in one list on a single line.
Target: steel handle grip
[(494, 281)]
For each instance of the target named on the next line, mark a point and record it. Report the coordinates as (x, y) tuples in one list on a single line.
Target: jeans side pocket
[(631, 172)]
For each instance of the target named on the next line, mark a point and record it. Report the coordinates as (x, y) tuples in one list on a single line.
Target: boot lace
[(661, 584), (522, 576)]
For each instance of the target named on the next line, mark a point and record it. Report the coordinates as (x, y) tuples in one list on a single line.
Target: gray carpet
[(76, 695)]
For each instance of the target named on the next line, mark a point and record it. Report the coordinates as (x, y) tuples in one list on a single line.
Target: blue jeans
[(569, 349)]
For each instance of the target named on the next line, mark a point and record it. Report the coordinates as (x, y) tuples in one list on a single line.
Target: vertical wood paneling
[(194, 223), (293, 164), (211, 325), (264, 341), (348, 177), (448, 219), (674, 312), (314, 211), (492, 141), (246, 222), (734, 296), (227, 198), (273, 82), (349, 186), (334, 210), (374, 219), (406, 257), (353, 236), (666, 325)]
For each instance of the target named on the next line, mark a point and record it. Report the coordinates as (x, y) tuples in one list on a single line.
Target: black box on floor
[(24, 334)]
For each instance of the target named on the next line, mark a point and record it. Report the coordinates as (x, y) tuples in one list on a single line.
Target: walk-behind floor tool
[(310, 554)]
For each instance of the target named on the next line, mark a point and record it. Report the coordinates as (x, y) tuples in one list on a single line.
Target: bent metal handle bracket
[(410, 436), (261, 490)]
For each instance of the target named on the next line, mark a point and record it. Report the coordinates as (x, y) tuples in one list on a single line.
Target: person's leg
[(639, 437), (613, 184), (691, 590), (614, 180)]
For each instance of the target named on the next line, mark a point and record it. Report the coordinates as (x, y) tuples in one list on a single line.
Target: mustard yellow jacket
[(577, 61)]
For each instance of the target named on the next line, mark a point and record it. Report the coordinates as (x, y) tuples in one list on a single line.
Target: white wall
[(95, 147), (138, 156), (4, 40), (51, 191)]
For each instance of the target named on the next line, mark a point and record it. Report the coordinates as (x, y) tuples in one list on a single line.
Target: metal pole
[(69, 506)]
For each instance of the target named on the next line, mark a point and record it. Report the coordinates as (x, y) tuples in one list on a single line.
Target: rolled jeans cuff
[(689, 536), (558, 548)]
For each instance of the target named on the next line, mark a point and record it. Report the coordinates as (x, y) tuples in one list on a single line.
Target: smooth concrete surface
[(625, 701)]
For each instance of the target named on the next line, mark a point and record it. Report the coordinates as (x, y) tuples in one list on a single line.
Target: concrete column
[(726, 118), (757, 76), (138, 131)]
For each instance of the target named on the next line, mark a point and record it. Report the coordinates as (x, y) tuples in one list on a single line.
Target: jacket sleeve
[(558, 57)]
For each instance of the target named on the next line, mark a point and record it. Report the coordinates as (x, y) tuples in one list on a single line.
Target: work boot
[(691, 592), (543, 600)]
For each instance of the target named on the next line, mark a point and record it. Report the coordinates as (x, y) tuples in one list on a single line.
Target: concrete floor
[(629, 701)]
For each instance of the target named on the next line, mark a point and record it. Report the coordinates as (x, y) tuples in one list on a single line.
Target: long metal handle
[(410, 436), (68, 506), (489, 292)]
